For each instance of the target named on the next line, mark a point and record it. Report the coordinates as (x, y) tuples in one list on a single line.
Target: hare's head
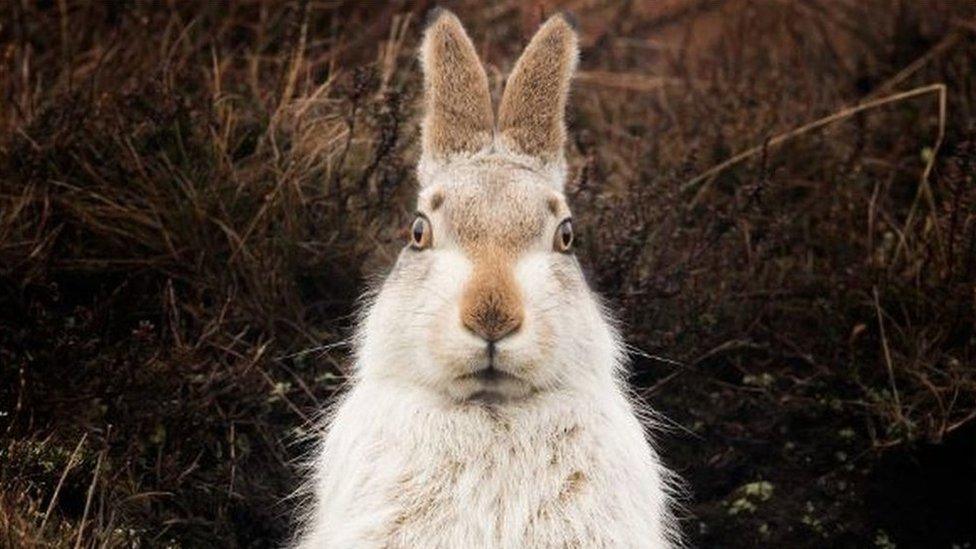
[(487, 301)]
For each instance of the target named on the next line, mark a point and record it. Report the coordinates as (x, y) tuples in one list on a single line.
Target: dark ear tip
[(433, 14), (570, 19)]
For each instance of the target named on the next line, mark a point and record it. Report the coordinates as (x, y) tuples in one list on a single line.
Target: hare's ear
[(532, 111), (458, 118)]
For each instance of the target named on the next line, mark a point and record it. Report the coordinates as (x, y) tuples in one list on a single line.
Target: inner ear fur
[(458, 119), (531, 117)]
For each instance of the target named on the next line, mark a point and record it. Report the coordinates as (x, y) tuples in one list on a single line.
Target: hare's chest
[(537, 490)]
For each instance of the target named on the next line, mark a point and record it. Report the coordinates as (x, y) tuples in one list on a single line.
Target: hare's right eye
[(420, 233), (563, 239)]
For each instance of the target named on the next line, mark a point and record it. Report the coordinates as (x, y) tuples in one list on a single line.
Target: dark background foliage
[(193, 195)]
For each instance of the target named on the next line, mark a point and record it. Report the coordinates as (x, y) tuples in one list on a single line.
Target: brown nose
[(491, 306)]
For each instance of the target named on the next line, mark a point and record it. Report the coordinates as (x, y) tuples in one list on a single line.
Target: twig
[(88, 499), (317, 349), (941, 47), (662, 382), (966, 419), (728, 346), (887, 355), (296, 60), (702, 180), (625, 80), (57, 489), (925, 188)]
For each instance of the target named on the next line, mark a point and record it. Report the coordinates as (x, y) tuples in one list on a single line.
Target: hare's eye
[(563, 239), (420, 233)]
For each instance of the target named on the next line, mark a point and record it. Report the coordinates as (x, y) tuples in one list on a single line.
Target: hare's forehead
[(507, 211)]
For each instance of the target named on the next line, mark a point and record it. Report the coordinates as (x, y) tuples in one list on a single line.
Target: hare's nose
[(492, 323), (491, 306)]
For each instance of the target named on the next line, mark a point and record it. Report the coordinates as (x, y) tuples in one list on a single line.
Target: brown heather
[(193, 195)]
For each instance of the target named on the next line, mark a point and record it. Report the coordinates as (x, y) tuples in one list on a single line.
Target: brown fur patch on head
[(436, 200), (459, 117), (530, 118), (553, 204), (498, 209)]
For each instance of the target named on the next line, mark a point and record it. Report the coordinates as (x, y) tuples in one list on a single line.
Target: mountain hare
[(488, 408)]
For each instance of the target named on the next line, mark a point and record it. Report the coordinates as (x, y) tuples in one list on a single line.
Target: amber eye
[(563, 240), (420, 233)]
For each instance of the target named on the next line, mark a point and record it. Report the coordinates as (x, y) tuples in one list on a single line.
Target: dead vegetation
[(777, 196)]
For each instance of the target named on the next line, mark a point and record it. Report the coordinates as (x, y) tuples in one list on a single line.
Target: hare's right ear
[(531, 116), (458, 120)]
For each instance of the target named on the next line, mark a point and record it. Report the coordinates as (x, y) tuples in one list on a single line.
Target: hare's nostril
[(492, 324)]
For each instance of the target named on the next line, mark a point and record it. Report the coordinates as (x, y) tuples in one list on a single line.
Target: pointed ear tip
[(436, 14), (570, 19), (562, 21), (564, 25)]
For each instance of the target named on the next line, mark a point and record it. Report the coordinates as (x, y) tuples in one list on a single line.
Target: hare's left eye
[(420, 233), (563, 239)]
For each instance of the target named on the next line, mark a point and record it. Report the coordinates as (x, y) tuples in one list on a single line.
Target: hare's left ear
[(531, 118), (458, 118)]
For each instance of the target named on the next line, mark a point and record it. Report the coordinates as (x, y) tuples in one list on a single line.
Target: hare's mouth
[(491, 375), (491, 385)]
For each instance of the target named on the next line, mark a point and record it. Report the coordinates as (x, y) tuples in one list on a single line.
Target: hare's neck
[(410, 420)]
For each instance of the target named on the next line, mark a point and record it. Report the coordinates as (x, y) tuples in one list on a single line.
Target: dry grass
[(779, 196)]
